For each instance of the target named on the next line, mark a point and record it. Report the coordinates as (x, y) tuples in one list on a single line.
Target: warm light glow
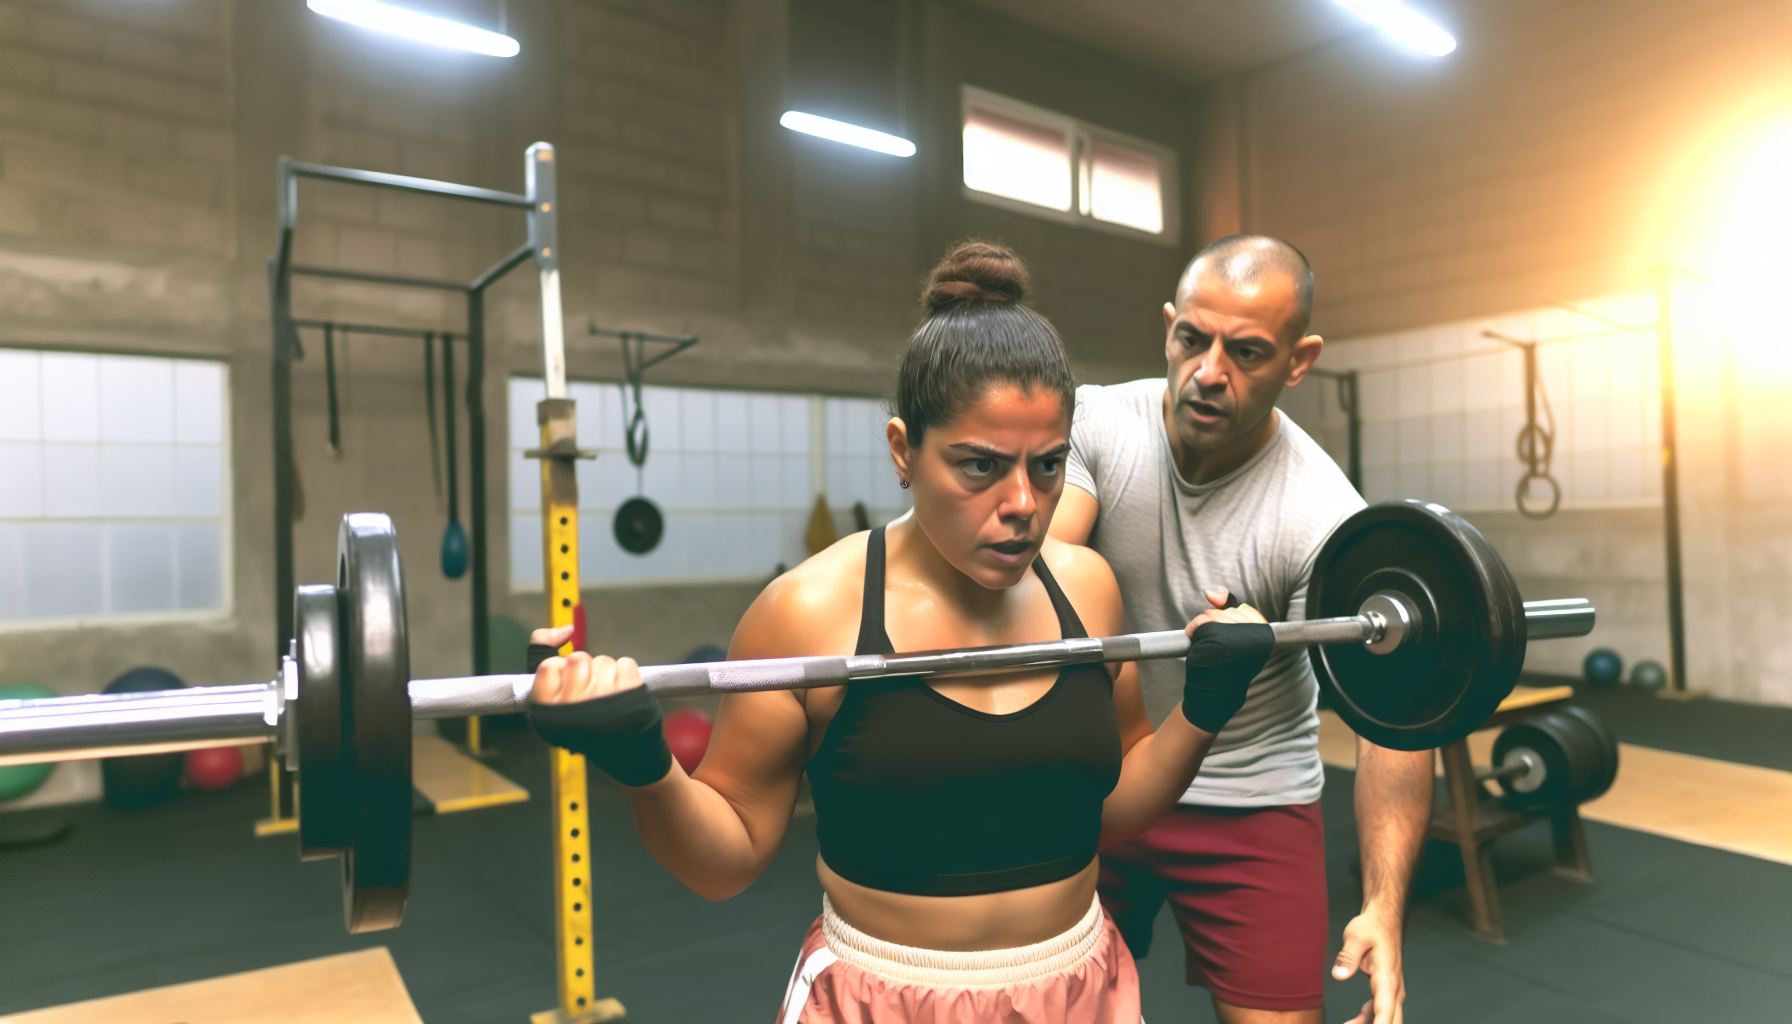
[(1745, 246), (1006, 157), (851, 134), (1403, 25), (423, 28)]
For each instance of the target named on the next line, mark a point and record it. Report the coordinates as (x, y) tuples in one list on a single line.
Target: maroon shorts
[(1247, 887)]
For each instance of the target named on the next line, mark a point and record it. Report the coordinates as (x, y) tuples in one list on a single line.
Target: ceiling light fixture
[(851, 134), (1403, 25), (423, 28)]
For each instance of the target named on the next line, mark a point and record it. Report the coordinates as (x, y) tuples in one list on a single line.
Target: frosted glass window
[(113, 475), (735, 474), (1005, 156), (1441, 408), (1126, 187), (1038, 161)]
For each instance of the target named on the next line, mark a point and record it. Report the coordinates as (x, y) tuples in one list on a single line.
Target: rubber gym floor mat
[(183, 892), (1757, 734)]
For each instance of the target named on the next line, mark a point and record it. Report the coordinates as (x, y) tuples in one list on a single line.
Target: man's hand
[(1372, 945)]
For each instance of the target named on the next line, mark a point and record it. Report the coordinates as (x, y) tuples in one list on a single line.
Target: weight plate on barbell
[(326, 778), (376, 870), (1443, 683)]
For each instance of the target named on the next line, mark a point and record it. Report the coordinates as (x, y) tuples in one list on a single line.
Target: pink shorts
[(1247, 888), (844, 976)]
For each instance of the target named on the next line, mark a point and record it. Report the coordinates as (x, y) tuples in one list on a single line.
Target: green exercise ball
[(17, 780), (1648, 675)]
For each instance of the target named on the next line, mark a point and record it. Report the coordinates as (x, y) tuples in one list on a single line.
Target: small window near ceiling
[(1008, 157), (1029, 159)]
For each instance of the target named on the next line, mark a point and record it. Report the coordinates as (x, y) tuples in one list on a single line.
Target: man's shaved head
[(1245, 262)]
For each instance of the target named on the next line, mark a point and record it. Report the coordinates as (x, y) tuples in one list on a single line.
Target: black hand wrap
[(1223, 658), (623, 732)]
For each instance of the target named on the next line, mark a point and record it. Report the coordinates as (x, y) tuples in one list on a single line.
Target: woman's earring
[(904, 484)]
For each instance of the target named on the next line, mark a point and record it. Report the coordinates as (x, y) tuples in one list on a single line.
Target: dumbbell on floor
[(1553, 760)]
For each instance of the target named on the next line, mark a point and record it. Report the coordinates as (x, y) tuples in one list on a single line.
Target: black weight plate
[(1607, 770), (1442, 685), (638, 526), (376, 870), (326, 774), (1542, 734)]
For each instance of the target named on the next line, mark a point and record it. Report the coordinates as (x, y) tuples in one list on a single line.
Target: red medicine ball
[(687, 733), (215, 767)]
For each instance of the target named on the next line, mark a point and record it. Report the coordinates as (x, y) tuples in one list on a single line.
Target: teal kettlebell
[(454, 551)]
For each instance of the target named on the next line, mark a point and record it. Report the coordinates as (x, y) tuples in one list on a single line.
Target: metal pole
[(1670, 480), (482, 655), (560, 561)]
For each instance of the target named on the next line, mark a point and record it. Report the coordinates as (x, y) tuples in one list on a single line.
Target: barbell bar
[(1419, 633), (113, 725)]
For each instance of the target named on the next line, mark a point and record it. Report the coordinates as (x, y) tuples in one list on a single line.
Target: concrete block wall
[(137, 153)]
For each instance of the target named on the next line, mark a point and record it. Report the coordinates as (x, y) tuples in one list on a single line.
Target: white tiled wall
[(112, 483), (1442, 407), (734, 473)]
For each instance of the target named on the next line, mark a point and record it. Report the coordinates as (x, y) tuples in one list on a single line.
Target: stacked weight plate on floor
[(1443, 682), (354, 723), (1569, 757)]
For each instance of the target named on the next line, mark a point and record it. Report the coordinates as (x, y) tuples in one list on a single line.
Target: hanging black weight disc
[(1444, 683), (376, 870), (639, 526), (326, 773)]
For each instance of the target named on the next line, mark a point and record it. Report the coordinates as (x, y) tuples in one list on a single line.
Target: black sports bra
[(916, 793)]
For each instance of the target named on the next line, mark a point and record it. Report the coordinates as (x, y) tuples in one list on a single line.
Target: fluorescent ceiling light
[(851, 134), (423, 28), (1403, 25)]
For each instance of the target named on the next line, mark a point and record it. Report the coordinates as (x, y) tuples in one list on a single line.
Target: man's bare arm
[(1075, 519), (1393, 808)]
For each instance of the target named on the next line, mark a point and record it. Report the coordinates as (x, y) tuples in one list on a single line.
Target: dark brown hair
[(976, 335)]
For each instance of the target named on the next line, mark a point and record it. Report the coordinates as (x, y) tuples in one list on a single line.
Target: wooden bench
[(1473, 818)]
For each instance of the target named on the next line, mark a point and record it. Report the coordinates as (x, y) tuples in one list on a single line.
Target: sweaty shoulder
[(1088, 582), (808, 609)]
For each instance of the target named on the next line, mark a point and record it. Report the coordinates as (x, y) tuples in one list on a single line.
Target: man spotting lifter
[(1190, 490)]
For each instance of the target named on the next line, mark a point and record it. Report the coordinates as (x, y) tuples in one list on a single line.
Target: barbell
[(1420, 633)]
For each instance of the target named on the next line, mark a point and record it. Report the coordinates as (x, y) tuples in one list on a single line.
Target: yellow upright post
[(560, 560)]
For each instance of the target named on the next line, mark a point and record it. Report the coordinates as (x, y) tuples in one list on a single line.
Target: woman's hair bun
[(976, 272)]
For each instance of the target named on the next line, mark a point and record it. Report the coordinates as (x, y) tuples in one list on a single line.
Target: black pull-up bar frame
[(539, 207)]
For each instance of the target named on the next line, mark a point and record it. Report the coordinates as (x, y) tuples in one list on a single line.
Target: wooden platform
[(350, 988), (450, 781), (1735, 807)]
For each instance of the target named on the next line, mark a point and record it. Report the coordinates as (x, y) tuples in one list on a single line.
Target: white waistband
[(955, 969)]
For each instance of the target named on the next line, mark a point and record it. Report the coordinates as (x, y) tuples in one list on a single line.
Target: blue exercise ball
[(454, 551), (705, 653), (1602, 667), (1648, 675), (142, 780)]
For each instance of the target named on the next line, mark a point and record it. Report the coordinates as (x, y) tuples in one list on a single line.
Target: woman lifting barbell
[(958, 819)]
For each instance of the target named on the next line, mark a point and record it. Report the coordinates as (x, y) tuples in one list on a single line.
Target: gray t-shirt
[(1255, 532)]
